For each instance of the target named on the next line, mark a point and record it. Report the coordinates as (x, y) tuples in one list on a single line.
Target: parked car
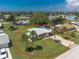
[(3, 53)]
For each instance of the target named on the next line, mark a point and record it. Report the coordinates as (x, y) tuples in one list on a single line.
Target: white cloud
[(72, 3)]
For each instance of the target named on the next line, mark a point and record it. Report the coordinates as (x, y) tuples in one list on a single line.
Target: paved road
[(70, 54)]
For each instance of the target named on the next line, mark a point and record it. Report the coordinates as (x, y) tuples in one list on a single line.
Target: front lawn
[(72, 35), (50, 49)]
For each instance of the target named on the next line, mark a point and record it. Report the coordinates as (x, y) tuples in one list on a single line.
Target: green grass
[(51, 48), (74, 38)]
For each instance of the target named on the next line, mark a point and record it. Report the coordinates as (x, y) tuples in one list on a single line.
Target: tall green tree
[(11, 18), (25, 38), (39, 18), (12, 21)]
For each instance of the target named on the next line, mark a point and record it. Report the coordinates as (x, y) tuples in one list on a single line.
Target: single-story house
[(72, 17), (76, 25), (4, 39), (1, 25), (41, 32), (22, 23), (69, 26), (6, 16), (65, 27), (20, 18), (50, 17), (1, 20)]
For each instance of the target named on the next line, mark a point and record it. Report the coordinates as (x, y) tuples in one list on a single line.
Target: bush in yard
[(73, 34), (30, 49), (67, 37), (57, 41), (39, 48)]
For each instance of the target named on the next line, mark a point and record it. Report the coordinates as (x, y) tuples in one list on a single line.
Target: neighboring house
[(41, 32), (6, 16), (72, 17), (22, 23), (50, 17), (65, 27), (1, 25), (1, 20), (23, 18), (63, 16), (69, 26), (4, 40), (76, 24)]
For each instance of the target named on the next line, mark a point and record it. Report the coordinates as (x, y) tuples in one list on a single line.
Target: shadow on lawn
[(10, 44), (31, 49)]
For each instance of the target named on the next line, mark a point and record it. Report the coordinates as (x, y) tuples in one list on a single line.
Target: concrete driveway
[(9, 54), (63, 41)]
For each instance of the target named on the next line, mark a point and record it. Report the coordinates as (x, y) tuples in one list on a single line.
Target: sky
[(39, 5)]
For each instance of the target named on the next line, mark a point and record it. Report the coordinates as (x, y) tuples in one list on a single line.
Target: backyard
[(50, 49)]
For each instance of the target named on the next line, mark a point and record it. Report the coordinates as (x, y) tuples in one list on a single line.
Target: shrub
[(57, 41), (73, 34), (29, 49), (39, 48)]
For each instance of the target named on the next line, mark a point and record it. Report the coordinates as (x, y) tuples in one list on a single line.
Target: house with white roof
[(6, 16), (41, 32), (4, 39), (23, 18), (71, 17)]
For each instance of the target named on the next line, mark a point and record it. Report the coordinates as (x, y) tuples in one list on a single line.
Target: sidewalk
[(9, 54)]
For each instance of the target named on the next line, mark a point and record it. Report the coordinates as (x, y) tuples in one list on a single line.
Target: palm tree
[(34, 35), (39, 18), (12, 20), (52, 24), (25, 38), (54, 29)]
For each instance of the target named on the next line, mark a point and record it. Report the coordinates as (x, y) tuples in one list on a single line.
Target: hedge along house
[(40, 32), (4, 40)]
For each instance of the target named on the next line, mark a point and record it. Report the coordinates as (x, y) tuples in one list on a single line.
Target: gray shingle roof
[(4, 39)]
